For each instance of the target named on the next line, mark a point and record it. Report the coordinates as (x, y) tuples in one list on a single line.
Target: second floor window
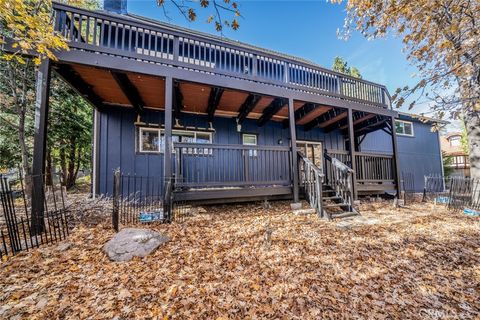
[(404, 128), (455, 141)]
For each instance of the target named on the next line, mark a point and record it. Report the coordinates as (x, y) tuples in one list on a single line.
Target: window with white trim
[(455, 141), (250, 140), (149, 140), (404, 128), (152, 140)]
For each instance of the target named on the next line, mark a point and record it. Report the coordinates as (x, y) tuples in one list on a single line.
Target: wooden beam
[(70, 76), (334, 119), (315, 96), (129, 90), (359, 120), (372, 127), (271, 110), (310, 111), (395, 155), (177, 99), (40, 146), (351, 137), (293, 146), (213, 101), (248, 105)]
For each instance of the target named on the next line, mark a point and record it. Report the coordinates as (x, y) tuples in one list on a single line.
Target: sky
[(306, 29)]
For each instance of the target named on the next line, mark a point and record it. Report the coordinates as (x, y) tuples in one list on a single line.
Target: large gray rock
[(133, 242)]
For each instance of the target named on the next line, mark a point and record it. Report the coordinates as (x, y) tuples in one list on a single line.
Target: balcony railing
[(131, 38), (220, 166), (370, 167)]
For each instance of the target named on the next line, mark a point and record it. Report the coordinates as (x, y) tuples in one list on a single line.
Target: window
[(250, 140), (153, 140), (149, 140), (455, 141), (404, 128)]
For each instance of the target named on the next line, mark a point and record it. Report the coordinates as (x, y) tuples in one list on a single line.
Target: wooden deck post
[(40, 145), (351, 139), (293, 140), (167, 161), (395, 157)]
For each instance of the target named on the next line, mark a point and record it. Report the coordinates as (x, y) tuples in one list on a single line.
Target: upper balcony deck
[(140, 39)]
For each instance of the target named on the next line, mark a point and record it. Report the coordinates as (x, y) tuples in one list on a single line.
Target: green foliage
[(464, 139), (69, 131), (447, 165), (340, 65)]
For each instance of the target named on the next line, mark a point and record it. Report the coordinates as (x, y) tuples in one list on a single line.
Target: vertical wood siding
[(419, 155), (118, 145)]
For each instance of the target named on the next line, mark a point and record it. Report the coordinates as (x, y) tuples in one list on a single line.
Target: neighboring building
[(452, 148), (210, 119)]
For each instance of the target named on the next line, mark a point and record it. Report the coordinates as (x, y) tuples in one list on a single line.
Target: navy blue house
[(211, 119)]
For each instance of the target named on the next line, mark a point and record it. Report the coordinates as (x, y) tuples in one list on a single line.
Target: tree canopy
[(340, 65), (442, 39)]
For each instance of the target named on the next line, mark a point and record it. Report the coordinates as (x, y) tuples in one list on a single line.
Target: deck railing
[(341, 180), (220, 166), (372, 167), (142, 40), (311, 180)]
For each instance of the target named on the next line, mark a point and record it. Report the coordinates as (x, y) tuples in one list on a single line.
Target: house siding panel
[(419, 155), (118, 144)]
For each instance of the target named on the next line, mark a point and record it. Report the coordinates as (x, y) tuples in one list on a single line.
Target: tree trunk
[(472, 123), (71, 164)]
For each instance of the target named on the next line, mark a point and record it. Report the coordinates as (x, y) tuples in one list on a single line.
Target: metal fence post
[(116, 199)]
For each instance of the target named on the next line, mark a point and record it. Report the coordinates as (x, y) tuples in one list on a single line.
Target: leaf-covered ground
[(249, 262)]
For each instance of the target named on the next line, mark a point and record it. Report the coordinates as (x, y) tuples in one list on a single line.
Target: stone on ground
[(133, 242)]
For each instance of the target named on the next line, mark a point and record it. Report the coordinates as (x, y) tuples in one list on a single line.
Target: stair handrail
[(311, 178), (341, 180)]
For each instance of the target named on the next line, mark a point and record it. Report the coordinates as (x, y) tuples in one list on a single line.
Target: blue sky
[(307, 29)]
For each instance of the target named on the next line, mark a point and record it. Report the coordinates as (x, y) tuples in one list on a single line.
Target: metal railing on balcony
[(138, 39)]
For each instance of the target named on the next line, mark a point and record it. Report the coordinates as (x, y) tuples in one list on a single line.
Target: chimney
[(116, 6)]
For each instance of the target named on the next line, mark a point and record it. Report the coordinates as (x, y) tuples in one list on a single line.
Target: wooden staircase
[(334, 206), (332, 196)]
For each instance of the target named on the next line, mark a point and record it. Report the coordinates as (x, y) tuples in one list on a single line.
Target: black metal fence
[(465, 195), (408, 186), (142, 199), (437, 188), (457, 193), (18, 231)]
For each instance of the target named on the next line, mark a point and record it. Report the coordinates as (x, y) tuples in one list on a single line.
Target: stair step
[(335, 205), (328, 191), (344, 215), (302, 212), (331, 198)]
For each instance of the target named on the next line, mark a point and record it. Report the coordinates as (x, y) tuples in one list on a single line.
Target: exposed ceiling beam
[(213, 101), (309, 112), (248, 105), (372, 127), (271, 110), (334, 119), (129, 89), (358, 120), (69, 75), (177, 100)]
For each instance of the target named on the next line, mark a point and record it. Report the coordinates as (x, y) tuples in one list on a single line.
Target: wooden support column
[(351, 140), (40, 146), (167, 161), (395, 157), (293, 141)]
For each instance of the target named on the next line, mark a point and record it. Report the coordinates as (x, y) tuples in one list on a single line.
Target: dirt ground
[(418, 262)]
